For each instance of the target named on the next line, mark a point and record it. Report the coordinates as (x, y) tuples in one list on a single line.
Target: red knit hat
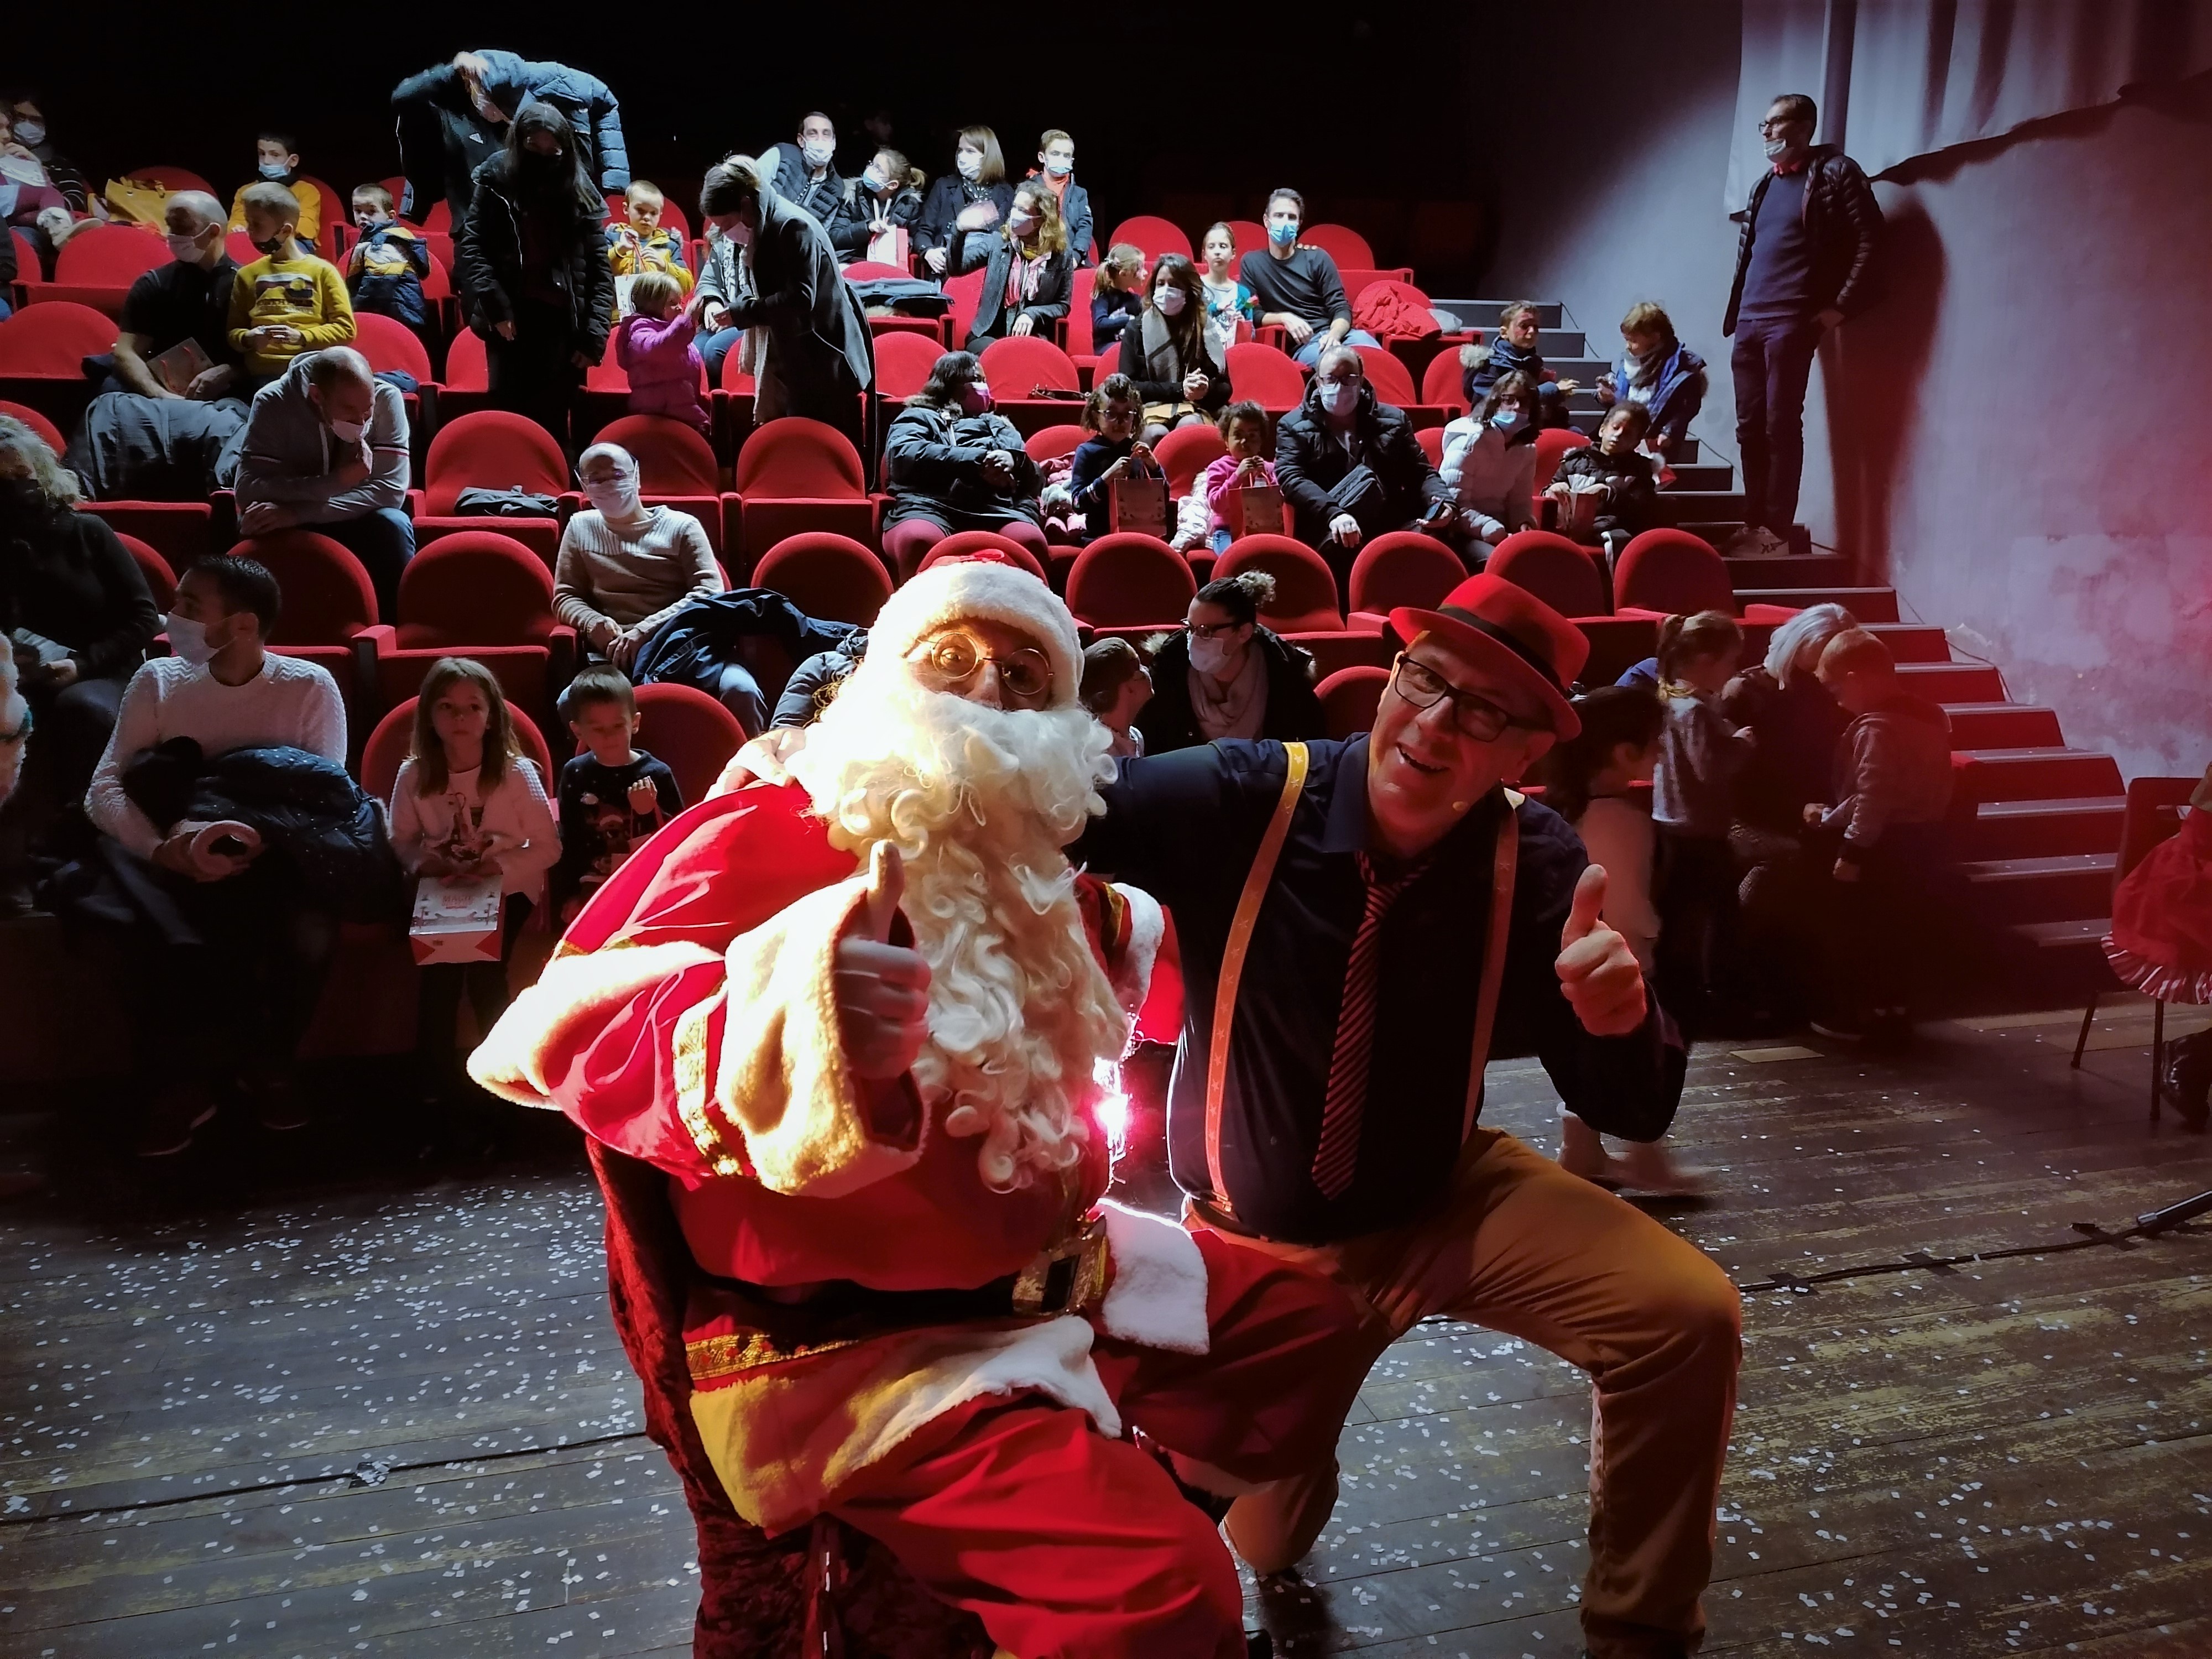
[(1490, 621)]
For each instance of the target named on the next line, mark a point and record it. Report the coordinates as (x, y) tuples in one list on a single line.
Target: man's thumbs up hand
[(883, 989), (1598, 973)]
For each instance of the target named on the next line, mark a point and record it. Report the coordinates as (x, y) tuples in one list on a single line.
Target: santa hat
[(982, 589)]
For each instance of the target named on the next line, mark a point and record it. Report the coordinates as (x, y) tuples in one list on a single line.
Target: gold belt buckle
[(1067, 1276)]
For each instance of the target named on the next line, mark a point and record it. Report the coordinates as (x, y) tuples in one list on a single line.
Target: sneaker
[(276, 1105), (1650, 1168), (170, 1121), (1840, 1028), (1582, 1153)]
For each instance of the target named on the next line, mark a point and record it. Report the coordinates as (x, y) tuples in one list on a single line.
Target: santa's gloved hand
[(881, 989)]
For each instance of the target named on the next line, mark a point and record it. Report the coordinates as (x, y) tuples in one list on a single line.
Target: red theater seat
[(1401, 568), (1154, 234), (479, 594), (1188, 450), (47, 432), (492, 449), (394, 737), (329, 601), (797, 475), (826, 575), (1050, 443), (1074, 329), (97, 267), (1342, 244), (1305, 587), (676, 465), (966, 543), (1126, 582), (965, 295), (42, 353), (1552, 444), (691, 732), (1349, 697), (1556, 571), (903, 362), (1667, 572), (161, 581), (1432, 441), (1017, 367), (1266, 376), (1443, 382), (172, 180), (179, 531)]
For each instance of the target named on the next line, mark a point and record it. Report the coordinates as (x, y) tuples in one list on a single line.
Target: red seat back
[(161, 581), (1432, 441), (1342, 244), (1109, 363), (491, 449), (2152, 814), (179, 531), (389, 344), (1443, 382), (862, 271), (966, 543), (173, 179), (673, 458), (467, 370), (474, 587), (438, 283), (1154, 234), (1014, 365), (1404, 567), (112, 256), (327, 596), (1265, 375), (1188, 450), (1080, 341), (1251, 236), (393, 739), (1673, 572), (691, 732), (50, 341), (1305, 587), (1050, 443), (1349, 697), (965, 297), (1393, 380), (47, 432), (903, 363), (1129, 581), (1552, 444), (826, 575), (795, 458), (1563, 575)]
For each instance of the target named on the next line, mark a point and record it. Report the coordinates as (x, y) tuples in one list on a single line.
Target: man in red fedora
[(1364, 924)]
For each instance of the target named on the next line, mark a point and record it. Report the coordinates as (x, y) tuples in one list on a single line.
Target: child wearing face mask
[(885, 198), (1490, 464), (276, 161), (385, 268), (287, 301), (656, 345)]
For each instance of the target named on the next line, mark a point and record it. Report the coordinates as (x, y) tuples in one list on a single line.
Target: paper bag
[(888, 249), (1139, 505), (1253, 510), (456, 919), (1579, 512)]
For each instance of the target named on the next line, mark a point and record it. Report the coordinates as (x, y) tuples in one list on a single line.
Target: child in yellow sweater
[(286, 301)]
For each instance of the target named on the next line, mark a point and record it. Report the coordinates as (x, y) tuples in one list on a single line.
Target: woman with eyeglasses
[(1226, 674), (954, 465)]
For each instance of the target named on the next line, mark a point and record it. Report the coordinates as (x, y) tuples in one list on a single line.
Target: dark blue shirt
[(1185, 827), (1778, 283)]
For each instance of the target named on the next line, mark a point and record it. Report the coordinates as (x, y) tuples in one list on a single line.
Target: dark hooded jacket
[(1310, 464), (443, 140), (487, 267)]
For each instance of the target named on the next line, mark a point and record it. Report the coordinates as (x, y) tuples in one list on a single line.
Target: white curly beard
[(979, 802)]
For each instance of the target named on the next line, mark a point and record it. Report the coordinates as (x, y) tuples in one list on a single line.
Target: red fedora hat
[(1509, 628)]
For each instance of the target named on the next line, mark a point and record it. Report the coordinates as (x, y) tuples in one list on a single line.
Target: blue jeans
[(713, 348), (1771, 362), (740, 693), (383, 541), (1310, 353)]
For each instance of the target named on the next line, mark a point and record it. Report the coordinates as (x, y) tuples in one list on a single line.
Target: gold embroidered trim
[(688, 1057), (1087, 1246), (712, 1357)]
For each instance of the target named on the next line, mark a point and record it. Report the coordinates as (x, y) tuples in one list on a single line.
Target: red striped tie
[(1338, 1154)]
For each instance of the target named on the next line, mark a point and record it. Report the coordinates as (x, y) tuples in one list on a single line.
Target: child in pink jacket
[(1245, 430), (654, 346)]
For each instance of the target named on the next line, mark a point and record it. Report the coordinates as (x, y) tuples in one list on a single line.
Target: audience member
[(188, 299), (1591, 781), (723, 281), (806, 174), (968, 202), (1804, 262), (237, 979), (1605, 490), (1244, 432), (818, 355), (1114, 452), (1226, 674), (816, 680), (623, 568), (657, 347), (15, 738), (1657, 370), (24, 108), (953, 464), (1297, 288), (1028, 272), (1117, 293), (614, 795), (2160, 944), (1513, 350), (326, 449), (642, 243), (468, 805), (451, 120), (287, 301), (1351, 468), (385, 268), (29, 200), (1701, 757), (1489, 465), (532, 269), (1166, 350), (1056, 166), (1892, 794), (276, 161), (884, 199), (1231, 309), (1115, 685), (75, 622)]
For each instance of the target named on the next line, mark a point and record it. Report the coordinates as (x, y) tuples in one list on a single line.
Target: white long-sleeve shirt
[(516, 817), (289, 703)]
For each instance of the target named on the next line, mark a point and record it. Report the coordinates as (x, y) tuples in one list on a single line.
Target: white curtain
[(1899, 78)]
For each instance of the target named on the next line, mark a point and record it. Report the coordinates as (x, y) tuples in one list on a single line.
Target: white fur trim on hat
[(988, 591)]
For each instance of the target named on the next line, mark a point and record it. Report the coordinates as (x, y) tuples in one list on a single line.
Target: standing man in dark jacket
[(820, 357), (1350, 467), (1804, 263), (452, 119), (1364, 924)]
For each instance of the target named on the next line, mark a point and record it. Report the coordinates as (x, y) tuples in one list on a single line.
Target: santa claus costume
[(908, 1308)]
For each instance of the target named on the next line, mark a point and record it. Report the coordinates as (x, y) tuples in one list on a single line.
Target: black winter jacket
[(1293, 712), (66, 577), (934, 458), (947, 199), (1158, 373), (1310, 463), (1635, 493), (1055, 284), (856, 210), (443, 140), (1843, 223), (487, 267), (694, 646)]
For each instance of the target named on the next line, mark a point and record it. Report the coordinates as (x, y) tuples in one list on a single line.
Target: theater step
[(2044, 828), (2003, 726), (1795, 571), (2064, 887), (1692, 509), (1868, 604), (2081, 933), (1714, 474), (1483, 314), (1912, 641), (1952, 682), (2043, 773)]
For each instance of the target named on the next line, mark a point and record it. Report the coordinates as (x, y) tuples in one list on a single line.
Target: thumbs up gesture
[(881, 989), (1598, 973)]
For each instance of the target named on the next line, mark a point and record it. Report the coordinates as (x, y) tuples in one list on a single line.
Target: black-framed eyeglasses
[(1477, 716), (956, 656), (1774, 123), (1213, 630)]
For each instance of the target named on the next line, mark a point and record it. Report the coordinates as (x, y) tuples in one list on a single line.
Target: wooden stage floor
[(2007, 1457)]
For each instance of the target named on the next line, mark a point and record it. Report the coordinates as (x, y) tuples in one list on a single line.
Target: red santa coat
[(688, 1020)]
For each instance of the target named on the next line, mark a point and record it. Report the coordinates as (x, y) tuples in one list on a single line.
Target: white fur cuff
[(1158, 1298)]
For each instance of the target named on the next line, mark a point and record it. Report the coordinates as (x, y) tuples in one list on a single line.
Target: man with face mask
[(326, 448), (188, 299), (1804, 262), (807, 172), (1298, 288), (1350, 467), (1056, 167), (452, 119)]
